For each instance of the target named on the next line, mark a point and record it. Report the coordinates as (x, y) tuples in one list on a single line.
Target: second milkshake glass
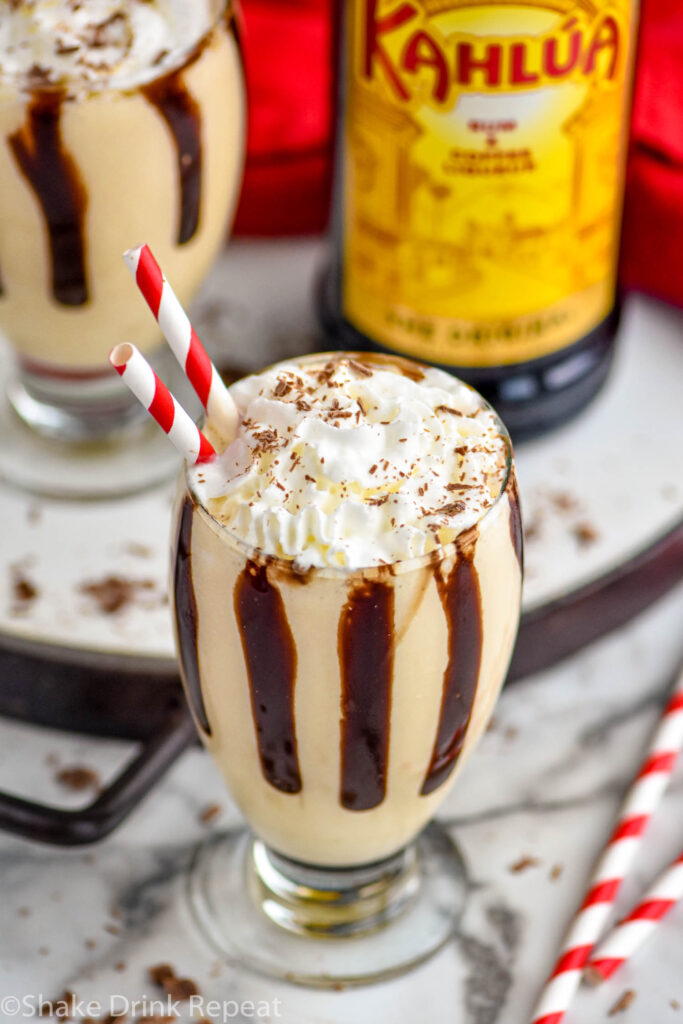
[(340, 705), (88, 168)]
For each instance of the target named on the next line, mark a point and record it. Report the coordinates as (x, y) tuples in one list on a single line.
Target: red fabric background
[(652, 257), (290, 80), (289, 56)]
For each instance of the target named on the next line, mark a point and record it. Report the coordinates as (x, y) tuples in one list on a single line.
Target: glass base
[(87, 439), (325, 926), (100, 413), (80, 406), (135, 459)]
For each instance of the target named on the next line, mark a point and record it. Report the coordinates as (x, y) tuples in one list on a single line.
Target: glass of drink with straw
[(117, 118), (346, 587)]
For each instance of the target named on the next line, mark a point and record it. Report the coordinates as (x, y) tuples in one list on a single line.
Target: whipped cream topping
[(96, 42), (348, 462)]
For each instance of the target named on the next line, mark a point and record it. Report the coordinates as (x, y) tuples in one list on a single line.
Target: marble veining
[(530, 813)]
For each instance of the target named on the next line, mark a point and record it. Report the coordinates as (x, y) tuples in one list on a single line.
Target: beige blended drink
[(347, 588), (120, 121)]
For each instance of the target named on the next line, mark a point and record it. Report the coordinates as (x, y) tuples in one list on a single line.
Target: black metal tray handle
[(48, 824), (57, 688)]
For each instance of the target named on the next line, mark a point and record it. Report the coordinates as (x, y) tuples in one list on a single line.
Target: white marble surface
[(545, 784)]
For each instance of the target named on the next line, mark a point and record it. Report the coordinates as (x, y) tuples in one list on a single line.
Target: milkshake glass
[(346, 585), (122, 123)]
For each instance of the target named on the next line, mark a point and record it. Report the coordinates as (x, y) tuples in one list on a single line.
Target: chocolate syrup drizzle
[(52, 174), (271, 660), (366, 658), (186, 617), (179, 109), (516, 522), (39, 151), (461, 600)]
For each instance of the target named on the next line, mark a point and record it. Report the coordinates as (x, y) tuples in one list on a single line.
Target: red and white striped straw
[(637, 927), (615, 862), (161, 404), (180, 334)]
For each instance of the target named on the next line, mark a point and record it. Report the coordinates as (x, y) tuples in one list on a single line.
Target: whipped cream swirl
[(348, 461), (97, 42)]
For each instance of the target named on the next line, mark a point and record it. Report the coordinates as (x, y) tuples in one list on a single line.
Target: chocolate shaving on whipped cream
[(76, 44), (336, 467)]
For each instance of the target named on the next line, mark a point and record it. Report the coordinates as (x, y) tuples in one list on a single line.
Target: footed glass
[(340, 706)]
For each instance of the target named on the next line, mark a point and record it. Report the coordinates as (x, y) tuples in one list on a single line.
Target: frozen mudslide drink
[(347, 588), (120, 120)]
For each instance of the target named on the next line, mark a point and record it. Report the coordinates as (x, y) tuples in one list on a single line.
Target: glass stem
[(334, 902)]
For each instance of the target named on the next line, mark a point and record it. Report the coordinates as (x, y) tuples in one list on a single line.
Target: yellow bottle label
[(484, 147)]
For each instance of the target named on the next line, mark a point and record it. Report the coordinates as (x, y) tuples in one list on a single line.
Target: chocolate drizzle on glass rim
[(53, 175), (366, 644), (186, 618)]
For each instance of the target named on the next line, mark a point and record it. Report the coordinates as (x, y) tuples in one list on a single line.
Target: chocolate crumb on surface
[(674, 1004), (160, 973), (24, 590), (210, 812), (113, 593), (623, 1002), (585, 534), (563, 501), (592, 977), (77, 778), (138, 550), (60, 1008), (532, 529), (180, 989), (555, 872), (113, 929), (523, 863)]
